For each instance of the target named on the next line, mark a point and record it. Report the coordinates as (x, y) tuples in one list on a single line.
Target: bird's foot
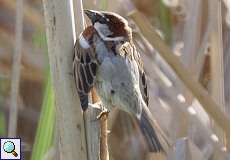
[(103, 113)]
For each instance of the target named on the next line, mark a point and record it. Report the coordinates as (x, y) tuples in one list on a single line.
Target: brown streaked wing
[(85, 66), (128, 50), (143, 78)]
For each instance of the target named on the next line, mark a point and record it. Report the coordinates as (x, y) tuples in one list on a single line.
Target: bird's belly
[(103, 90), (106, 73), (109, 96), (114, 80)]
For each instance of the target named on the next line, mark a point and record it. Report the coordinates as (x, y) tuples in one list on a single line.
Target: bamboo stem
[(103, 139), (104, 154), (191, 83), (95, 98)]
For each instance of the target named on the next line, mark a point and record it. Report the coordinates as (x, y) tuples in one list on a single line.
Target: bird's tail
[(150, 135), (155, 138)]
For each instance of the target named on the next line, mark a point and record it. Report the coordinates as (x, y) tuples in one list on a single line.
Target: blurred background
[(198, 33)]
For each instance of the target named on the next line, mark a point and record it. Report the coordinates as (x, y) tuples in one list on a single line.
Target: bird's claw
[(103, 112)]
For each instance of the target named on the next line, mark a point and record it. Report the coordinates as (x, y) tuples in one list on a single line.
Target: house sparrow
[(105, 58)]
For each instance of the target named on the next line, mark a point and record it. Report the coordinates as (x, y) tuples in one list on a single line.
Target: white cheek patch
[(84, 44)]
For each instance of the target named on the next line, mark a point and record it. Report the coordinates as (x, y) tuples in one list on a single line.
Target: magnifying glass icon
[(9, 147)]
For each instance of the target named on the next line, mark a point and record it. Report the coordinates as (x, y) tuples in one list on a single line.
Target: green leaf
[(44, 139)]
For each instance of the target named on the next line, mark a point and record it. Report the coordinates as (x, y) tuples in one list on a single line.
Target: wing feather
[(85, 66), (128, 50), (129, 47), (143, 78)]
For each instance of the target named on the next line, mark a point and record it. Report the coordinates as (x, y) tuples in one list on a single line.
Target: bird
[(105, 58)]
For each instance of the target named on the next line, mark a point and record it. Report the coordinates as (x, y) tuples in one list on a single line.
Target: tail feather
[(155, 137), (150, 135)]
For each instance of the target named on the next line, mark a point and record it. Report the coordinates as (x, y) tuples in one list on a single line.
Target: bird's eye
[(110, 36)]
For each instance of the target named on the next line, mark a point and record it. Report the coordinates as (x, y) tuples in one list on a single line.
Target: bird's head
[(110, 26)]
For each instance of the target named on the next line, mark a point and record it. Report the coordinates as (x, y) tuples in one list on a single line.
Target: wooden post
[(60, 32)]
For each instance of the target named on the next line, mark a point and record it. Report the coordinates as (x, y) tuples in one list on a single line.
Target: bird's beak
[(92, 15)]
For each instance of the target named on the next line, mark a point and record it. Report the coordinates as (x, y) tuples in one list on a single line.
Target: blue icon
[(9, 147)]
